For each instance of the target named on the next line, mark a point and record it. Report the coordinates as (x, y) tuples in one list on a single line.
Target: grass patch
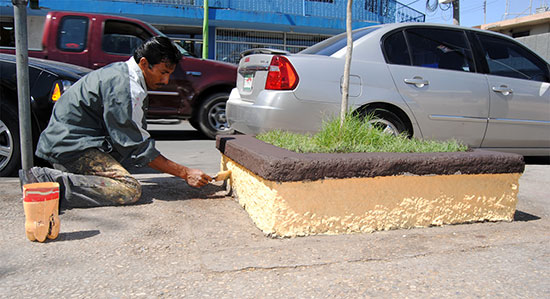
[(356, 135)]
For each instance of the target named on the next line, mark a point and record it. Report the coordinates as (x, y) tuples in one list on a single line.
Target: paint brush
[(222, 175)]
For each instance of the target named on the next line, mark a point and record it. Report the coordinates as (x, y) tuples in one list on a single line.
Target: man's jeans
[(94, 179)]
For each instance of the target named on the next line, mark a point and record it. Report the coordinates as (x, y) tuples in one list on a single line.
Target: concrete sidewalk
[(184, 242)]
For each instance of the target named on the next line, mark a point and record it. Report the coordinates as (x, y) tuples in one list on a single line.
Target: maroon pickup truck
[(198, 88)]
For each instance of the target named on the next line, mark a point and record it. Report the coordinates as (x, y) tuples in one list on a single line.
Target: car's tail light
[(281, 75), (56, 92), (59, 88)]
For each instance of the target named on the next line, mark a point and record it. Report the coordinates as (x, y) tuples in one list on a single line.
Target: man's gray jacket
[(104, 110)]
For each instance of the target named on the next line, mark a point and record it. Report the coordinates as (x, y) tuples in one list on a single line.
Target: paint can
[(41, 205)]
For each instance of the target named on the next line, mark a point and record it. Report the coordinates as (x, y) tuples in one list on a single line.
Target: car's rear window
[(73, 33), (335, 43)]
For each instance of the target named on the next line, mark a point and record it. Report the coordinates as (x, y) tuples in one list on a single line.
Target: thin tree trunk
[(347, 65)]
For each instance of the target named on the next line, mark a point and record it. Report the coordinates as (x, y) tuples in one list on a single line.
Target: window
[(73, 34), (440, 48), (384, 7), (7, 34), (338, 42), (122, 38), (120, 44), (395, 49), (371, 5), (520, 34), (508, 59)]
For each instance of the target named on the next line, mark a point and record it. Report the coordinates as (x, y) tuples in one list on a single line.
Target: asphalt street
[(180, 241)]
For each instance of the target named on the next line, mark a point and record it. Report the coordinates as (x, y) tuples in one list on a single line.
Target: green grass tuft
[(356, 135)]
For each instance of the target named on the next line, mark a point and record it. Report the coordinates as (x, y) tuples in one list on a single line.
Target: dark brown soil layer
[(281, 165)]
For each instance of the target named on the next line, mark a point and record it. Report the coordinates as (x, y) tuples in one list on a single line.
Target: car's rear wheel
[(386, 120), (10, 154), (212, 118)]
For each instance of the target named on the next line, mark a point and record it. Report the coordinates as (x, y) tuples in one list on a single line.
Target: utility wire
[(412, 2)]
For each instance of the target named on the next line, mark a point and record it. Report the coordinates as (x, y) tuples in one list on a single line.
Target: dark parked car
[(47, 81)]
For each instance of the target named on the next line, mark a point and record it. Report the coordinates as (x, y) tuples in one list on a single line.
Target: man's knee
[(126, 190), (131, 194)]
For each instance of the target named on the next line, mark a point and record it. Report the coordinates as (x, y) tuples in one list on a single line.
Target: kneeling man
[(99, 123)]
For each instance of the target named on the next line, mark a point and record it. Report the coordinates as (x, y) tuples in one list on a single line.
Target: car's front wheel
[(10, 155), (212, 118)]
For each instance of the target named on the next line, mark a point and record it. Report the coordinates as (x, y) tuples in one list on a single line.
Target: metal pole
[(23, 89), (505, 16), (485, 12), (205, 31), (456, 12)]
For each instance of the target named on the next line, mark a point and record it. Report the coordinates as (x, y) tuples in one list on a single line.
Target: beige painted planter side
[(336, 206)]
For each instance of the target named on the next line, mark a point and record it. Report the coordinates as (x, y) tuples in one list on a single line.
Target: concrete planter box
[(289, 194)]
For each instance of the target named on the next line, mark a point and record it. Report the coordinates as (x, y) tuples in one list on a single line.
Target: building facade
[(234, 25)]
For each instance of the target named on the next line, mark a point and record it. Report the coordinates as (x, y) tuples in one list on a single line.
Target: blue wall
[(299, 16), (280, 15)]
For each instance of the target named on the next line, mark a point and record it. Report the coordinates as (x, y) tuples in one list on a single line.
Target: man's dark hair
[(158, 49)]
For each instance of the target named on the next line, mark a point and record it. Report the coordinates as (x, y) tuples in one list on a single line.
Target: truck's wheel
[(194, 123), (212, 119), (10, 154)]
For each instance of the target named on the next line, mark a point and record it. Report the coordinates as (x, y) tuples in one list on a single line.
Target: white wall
[(539, 43), (540, 29)]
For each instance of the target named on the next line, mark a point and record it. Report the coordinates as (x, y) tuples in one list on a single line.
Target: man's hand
[(194, 177), (197, 178)]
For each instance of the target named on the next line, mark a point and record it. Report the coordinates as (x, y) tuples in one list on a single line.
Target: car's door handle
[(418, 81), (194, 73), (505, 90)]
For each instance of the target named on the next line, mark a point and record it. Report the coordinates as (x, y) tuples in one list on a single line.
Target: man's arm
[(194, 177)]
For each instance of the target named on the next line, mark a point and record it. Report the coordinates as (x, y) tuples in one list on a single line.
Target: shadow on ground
[(79, 235), (139, 170), (522, 216), (173, 189), (177, 135), (537, 160)]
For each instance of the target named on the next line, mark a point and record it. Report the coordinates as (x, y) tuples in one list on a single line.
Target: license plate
[(248, 80)]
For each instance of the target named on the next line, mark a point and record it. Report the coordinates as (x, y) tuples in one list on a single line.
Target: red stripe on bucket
[(41, 194)]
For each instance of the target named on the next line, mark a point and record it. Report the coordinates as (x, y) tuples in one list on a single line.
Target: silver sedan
[(426, 80)]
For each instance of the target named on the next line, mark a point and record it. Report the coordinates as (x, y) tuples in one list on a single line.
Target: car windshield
[(182, 50), (335, 43)]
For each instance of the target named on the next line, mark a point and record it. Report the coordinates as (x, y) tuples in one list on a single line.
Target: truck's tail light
[(59, 88), (281, 74)]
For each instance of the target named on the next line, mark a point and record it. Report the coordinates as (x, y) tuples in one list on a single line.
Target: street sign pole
[(205, 31), (23, 89)]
